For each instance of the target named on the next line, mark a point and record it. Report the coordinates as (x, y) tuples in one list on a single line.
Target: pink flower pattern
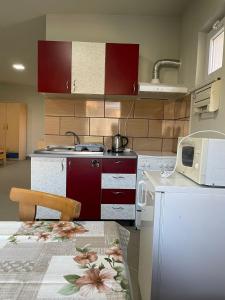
[(97, 281), (116, 253), (86, 258)]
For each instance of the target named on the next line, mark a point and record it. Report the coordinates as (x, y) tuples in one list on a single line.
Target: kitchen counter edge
[(131, 155)]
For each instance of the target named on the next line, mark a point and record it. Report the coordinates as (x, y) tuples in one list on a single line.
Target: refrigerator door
[(146, 244), (192, 246)]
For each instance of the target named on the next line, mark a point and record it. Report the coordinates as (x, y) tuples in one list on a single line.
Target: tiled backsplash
[(149, 124)]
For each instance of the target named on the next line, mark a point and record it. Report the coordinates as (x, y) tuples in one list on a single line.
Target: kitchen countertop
[(130, 154), (177, 183), (155, 153)]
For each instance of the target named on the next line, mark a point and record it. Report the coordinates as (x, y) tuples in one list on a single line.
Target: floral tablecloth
[(63, 260)]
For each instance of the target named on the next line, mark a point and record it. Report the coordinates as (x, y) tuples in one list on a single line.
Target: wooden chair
[(3, 156), (28, 200)]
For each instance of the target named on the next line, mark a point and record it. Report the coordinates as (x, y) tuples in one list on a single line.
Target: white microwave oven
[(202, 160)]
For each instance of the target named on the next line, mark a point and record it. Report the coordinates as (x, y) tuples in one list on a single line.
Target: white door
[(88, 68), (3, 125), (48, 175)]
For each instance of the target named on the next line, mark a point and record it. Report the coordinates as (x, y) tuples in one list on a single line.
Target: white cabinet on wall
[(48, 175), (88, 68)]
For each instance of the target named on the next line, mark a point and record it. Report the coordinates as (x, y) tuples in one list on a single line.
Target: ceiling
[(22, 24), (13, 11)]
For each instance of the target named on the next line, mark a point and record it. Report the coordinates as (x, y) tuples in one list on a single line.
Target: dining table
[(64, 260)]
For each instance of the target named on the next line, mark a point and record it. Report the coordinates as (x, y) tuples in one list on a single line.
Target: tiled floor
[(17, 173)]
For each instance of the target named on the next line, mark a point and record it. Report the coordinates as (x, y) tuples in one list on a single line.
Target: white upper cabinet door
[(88, 68)]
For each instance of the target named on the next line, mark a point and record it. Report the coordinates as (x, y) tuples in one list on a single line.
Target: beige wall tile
[(186, 128), (134, 127), (147, 144), (188, 106), (150, 109), (59, 107), (175, 142), (169, 109), (119, 109), (41, 143), (145, 126), (168, 145), (103, 126), (180, 109), (91, 139), (108, 142), (89, 108), (79, 125), (58, 140), (155, 128), (167, 128), (179, 129), (51, 125)]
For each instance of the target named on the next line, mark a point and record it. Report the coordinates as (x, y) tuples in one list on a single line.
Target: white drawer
[(118, 181), (117, 212)]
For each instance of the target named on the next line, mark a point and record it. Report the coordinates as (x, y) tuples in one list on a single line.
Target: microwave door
[(188, 156)]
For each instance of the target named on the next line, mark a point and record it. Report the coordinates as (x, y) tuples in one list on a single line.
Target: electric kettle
[(119, 143)]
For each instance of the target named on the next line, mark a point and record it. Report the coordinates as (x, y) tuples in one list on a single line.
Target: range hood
[(161, 91), (157, 90)]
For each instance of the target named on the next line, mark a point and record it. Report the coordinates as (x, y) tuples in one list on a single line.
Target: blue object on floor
[(12, 155)]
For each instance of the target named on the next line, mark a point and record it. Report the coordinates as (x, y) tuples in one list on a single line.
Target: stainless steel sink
[(57, 148), (65, 150)]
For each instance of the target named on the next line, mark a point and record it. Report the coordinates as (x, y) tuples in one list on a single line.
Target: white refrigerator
[(182, 240)]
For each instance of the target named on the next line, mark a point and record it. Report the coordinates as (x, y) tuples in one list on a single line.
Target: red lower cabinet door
[(84, 185), (121, 69), (54, 66)]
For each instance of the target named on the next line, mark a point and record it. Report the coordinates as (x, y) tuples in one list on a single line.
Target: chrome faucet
[(74, 136)]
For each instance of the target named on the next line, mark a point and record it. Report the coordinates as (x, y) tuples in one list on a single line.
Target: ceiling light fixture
[(18, 67)]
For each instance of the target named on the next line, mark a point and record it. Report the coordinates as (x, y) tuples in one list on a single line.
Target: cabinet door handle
[(95, 163), (118, 193), (118, 177), (62, 165), (118, 207), (67, 84), (74, 85), (69, 163), (134, 88)]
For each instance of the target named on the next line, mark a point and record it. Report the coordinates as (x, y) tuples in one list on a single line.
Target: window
[(216, 45)]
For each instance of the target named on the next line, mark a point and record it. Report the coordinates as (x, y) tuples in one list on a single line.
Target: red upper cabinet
[(121, 69), (54, 66)]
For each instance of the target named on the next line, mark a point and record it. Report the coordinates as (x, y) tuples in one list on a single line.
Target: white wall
[(158, 36), (35, 106), (198, 17)]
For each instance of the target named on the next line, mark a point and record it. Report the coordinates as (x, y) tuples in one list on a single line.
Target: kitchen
[(111, 100)]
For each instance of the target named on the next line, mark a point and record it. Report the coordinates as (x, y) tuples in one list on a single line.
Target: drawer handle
[(118, 177), (117, 193), (118, 162), (118, 207)]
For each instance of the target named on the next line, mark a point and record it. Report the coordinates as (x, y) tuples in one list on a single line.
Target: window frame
[(211, 34)]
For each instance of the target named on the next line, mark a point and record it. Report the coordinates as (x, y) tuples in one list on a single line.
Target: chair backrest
[(28, 200)]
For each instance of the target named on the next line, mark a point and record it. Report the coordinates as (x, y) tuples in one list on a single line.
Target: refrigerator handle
[(141, 185)]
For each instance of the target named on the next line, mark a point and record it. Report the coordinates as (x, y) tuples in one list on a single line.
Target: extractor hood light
[(18, 67)]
